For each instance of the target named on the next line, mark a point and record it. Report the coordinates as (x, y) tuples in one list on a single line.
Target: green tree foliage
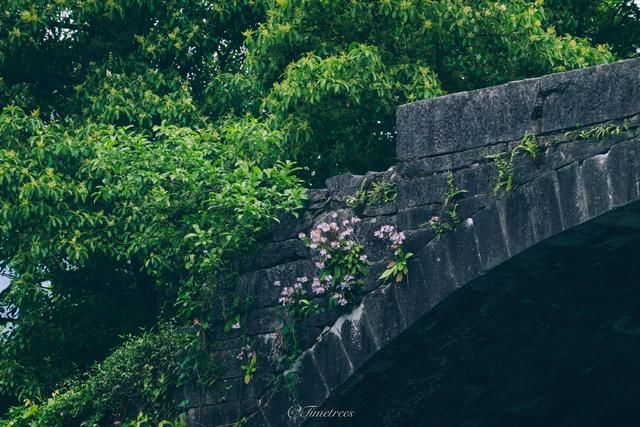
[(136, 378), (145, 146), (124, 61), (100, 218), (614, 22), (333, 71)]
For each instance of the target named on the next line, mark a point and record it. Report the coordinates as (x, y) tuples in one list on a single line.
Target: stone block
[(515, 210), (491, 235), (570, 191), (590, 95), (622, 174), (595, 184), (422, 191), (463, 252), (466, 120), (545, 214), (332, 360), (342, 186), (357, 338), (383, 313)]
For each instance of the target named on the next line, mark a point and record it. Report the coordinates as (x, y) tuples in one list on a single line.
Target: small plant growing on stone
[(380, 192), (528, 145), (339, 258), (340, 268), (604, 131), (450, 217), (398, 267), (505, 171), (504, 161), (248, 359), (232, 324)]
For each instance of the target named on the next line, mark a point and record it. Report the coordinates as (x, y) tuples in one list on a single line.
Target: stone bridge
[(526, 312)]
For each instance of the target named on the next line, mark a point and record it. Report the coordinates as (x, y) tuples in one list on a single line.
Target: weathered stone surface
[(280, 252), (436, 267), (312, 387), (544, 199), (318, 198), (466, 120), (491, 237), (415, 218), (447, 162), (418, 239), (516, 214), (475, 179), (375, 269), (332, 359), (504, 113), (595, 184), (356, 334), (264, 320), (592, 95), (260, 285), (380, 210), (622, 174), (342, 186), (259, 383), (464, 254), (572, 202), (274, 409), (578, 150), (382, 311), (422, 191), (375, 249), (289, 226), (413, 293)]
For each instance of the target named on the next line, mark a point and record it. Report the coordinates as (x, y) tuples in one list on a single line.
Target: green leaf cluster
[(333, 71), (130, 386), (100, 218)]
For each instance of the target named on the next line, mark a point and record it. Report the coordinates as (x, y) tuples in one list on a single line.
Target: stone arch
[(584, 181)]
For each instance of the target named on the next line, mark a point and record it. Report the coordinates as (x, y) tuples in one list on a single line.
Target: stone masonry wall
[(585, 124)]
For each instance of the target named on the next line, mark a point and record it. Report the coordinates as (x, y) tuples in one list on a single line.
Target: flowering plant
[(450, 217), (339, 258), (397, 268), (249, 358), (340, 264)]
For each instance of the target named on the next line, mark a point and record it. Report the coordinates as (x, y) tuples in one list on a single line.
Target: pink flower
[(340, 299), (286, 296), (317, 287), (235, 325), (389, 232)]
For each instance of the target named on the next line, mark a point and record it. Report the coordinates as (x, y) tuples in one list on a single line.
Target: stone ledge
[(478, 118)]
